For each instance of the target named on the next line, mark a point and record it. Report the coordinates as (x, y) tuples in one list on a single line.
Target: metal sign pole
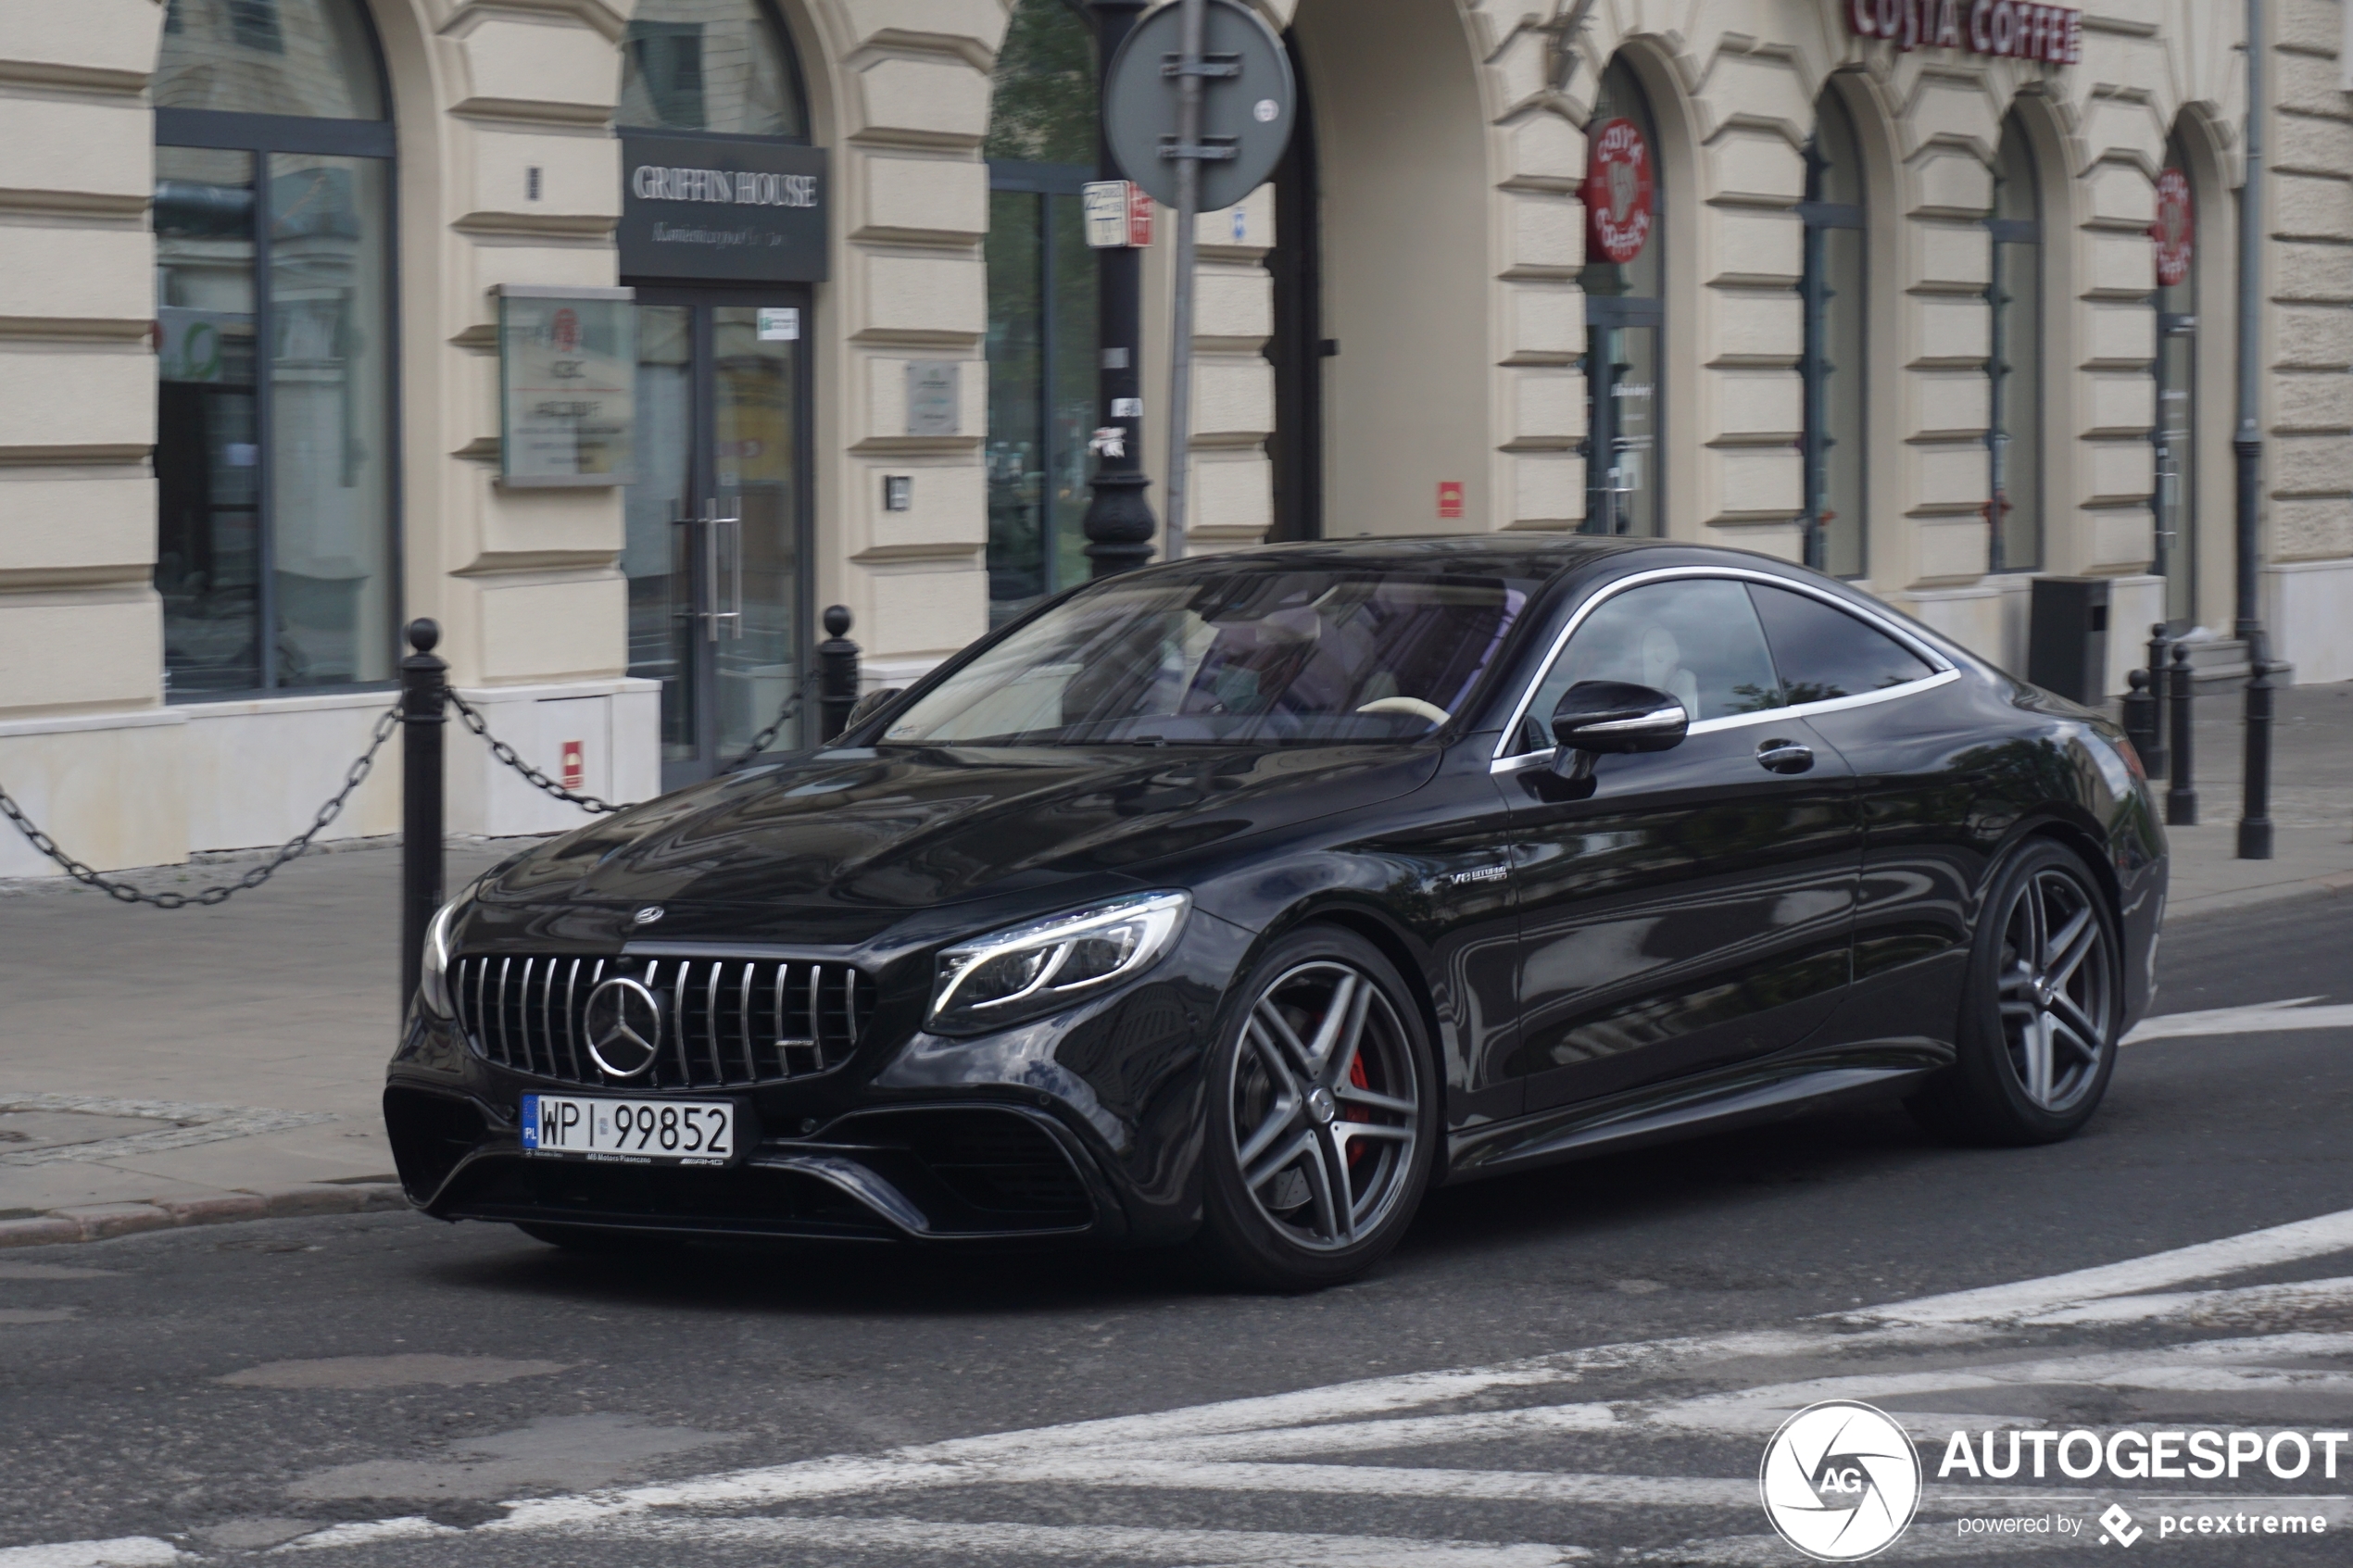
[(1190, 85)]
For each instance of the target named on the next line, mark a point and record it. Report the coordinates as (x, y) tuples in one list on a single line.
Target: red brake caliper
[(1356, 1112)]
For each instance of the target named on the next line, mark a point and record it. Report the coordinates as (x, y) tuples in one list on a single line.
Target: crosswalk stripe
[(2264, 1018), (1097, 1543), (122, 1551)]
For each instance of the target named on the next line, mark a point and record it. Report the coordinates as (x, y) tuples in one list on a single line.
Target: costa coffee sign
[(2175, 230), (1619, 191), (2004, 28)]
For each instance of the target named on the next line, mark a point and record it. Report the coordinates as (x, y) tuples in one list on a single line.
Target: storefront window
[(2175, 234), (1835, 307), (1624, 268), (2015, 295), (275, 437), (1043, 334), (721, 66)]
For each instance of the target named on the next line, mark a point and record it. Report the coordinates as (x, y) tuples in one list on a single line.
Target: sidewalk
[(2311, 804), (171, 1067), (162, 1067)]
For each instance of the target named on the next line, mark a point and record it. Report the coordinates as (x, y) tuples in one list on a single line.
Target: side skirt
[(1765, 1090)]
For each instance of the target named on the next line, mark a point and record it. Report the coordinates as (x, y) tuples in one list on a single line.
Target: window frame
[(796, 76), (1818, 217), (261, 136), (1505, 760)]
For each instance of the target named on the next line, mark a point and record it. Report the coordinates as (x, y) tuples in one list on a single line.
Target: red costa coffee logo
[(2175, 230), (1618, 191)]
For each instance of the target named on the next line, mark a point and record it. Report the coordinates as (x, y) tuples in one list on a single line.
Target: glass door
[(717, 520), (1622, 490)]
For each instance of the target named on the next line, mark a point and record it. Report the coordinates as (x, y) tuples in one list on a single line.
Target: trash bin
[(2067, 638)]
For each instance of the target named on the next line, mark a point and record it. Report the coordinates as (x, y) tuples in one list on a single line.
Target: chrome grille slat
[(571, 1031), (743, 1018), (678, 1021), (506, 1050)]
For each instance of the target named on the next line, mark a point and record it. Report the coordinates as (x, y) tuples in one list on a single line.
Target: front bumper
[(1077, 1129)]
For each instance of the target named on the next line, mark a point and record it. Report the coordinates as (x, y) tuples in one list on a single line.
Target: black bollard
[(837, 674), (423, 684), (2160, 647), (2181, 801), (2140, 718), (2255, 820)]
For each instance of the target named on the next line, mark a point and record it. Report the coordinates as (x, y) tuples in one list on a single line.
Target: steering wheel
[(1412, 705)]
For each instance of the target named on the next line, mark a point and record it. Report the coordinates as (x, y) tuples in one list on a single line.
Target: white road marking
[(407, 1527), (2315, 1238), (124, 1551), (1097, 1543), (2263, 1018), (2202, 1306), (1256, 1445)]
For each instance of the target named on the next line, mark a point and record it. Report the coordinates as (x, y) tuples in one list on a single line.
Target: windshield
[(1229, 654)]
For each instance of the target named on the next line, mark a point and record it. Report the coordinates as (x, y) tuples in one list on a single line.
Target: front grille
[(726, 1023)]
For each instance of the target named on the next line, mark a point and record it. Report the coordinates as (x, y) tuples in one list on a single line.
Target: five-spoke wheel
[(1320, 1113), (2039, 1023)]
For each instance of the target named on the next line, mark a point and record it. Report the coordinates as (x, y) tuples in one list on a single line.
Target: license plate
[(630, 1132)]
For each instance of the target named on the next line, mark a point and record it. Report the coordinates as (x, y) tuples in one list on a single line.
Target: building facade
[(1936, 294)]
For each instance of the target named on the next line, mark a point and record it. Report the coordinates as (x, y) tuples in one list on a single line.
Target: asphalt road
[(377, 1390)]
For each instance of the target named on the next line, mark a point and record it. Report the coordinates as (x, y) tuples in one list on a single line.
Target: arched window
[(2015, 436), (2175, 234), (1043, 331), (720, 66), (1625, 198), (276, 553), (1837, 421)]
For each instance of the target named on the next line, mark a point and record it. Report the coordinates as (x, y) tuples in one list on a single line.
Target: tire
[(597, 1240), (1322, 1115), (2040, 1016)]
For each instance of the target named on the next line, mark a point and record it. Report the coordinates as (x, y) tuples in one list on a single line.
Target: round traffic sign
[(1251, 113)]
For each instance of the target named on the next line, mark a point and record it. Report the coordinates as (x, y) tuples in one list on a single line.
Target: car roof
[(1533, 556)]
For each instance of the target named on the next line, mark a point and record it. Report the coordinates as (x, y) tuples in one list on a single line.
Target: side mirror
[(867, 707), (1613, 718)]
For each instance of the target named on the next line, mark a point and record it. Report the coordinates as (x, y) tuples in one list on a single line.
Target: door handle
[(712, 525), (1785, 757)]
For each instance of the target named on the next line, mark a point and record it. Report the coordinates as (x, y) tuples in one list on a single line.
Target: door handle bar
[(1785, 757)]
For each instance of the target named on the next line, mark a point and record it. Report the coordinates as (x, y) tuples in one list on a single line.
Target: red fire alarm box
[(1450, 498), (575, 764)]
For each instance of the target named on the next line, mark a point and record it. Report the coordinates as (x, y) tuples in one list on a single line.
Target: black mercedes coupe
[(1242, 899)]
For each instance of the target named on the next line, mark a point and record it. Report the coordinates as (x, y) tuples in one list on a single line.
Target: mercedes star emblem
[(647, 915), (624, 1027)]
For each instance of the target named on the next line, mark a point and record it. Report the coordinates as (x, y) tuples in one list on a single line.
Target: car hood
[(836, 846)]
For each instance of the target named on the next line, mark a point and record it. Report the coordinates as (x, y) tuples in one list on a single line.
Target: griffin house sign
[(733, 207), (2004, 28)]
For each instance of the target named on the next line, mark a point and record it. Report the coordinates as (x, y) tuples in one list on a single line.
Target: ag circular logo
[(1839, 1481), (624, 1027)]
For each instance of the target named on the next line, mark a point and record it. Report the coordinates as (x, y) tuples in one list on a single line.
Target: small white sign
[(934, 398), (780, 325), (1105, 205), (1126, 408)]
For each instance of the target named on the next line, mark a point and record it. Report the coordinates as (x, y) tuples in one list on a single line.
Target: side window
[(1822, 652), (1696, 638)]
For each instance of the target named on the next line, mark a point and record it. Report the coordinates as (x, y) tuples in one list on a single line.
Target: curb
[(100, 1221)]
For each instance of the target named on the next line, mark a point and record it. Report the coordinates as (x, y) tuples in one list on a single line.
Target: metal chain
[(504, 753), (760, 742), (354, 777), (220, 893)]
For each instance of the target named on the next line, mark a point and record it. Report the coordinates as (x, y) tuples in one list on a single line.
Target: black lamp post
[(1119, 520), (2255, 818)]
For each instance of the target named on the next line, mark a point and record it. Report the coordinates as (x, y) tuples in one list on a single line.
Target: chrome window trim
[(1505, 761)]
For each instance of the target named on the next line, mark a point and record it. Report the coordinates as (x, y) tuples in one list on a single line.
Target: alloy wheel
[(2057, 989), (1323, 1105)]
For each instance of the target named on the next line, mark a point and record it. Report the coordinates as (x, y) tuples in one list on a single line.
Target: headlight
[(1010, 975), (432, 975)]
